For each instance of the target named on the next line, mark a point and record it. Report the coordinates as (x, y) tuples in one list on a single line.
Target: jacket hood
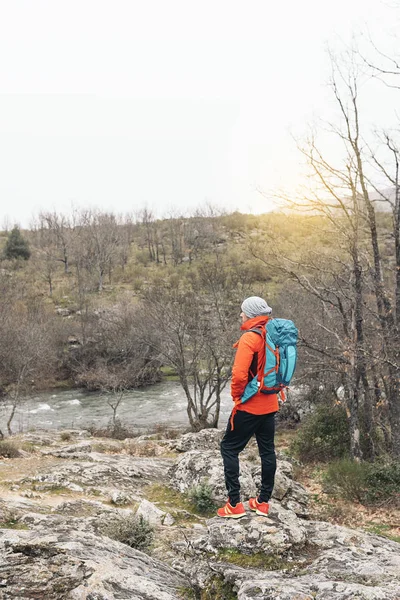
[(254, 322)]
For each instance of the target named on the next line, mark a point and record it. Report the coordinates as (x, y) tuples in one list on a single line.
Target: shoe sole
[(258, 512), (232, 516)]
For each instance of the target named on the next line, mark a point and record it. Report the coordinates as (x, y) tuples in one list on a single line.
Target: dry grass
[(323, 507)]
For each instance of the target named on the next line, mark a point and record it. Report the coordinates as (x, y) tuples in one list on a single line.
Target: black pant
[(245, 426)]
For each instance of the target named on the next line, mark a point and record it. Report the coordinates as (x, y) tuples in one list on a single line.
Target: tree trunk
[(11, 417), (394, 410)]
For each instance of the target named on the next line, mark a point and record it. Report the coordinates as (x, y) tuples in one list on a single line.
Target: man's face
[(243, 317)]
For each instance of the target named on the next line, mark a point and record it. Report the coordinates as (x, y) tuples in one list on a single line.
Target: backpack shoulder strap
[(256, 330)]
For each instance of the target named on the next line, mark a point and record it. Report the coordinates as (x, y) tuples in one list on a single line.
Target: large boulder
[(103, 473), (323, 561), (78, 565), (274, 534), (154, 515), (262, 585), (206, 439), (195, 467)]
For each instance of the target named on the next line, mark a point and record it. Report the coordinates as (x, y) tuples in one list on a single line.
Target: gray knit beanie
[(255, 307)]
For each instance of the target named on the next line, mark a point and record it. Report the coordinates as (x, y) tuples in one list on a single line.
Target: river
[(162, 403)]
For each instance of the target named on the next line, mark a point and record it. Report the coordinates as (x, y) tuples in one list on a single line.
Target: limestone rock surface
[(196, 466), (206, 439), (54, 546), (78, 565)]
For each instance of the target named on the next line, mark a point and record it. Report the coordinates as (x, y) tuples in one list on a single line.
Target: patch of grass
[(169, 500), (130, 530), (218, 589), (284, 438), (258, 560), (328, 509), (164, 495), (383, 530), (105, 448), (9, 449), (9, 520), (12, 525), (187, 593), (146, 448), (58, 490), (28, 447), (346, 478), (65, 436), (169, 374)]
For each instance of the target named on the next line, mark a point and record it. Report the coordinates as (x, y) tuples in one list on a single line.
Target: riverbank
[(161, 404)]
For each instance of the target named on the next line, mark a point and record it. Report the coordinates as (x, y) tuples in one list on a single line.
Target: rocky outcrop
[(55, 540), (344, 564), (207, 439), (196, 466), (274, 534), (65, 562), (97, 472)]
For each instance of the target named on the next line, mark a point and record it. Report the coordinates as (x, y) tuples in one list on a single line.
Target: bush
[(9, 450), (115, 431), (163, 431), (324, 435), (201, 498), (132, 531), (383, 483), (346, 478), (368, 483)]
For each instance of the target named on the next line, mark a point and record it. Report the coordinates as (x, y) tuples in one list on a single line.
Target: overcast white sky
[(122, 103)]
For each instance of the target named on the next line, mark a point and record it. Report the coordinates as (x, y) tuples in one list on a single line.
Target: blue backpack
[(280, 337)]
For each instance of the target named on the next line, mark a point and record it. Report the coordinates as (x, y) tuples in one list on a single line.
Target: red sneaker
[(232, 512), (261, 508)]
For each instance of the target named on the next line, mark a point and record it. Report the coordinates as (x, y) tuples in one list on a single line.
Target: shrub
[(65, 436), (115, 431), (324, 435), (146, 448), (163, 431), (9, 450), (132, 531), (201, 498), (383, 483), (368, 483), (346, 478)]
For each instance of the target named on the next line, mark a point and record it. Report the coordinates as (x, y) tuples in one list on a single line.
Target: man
[(254, 417)]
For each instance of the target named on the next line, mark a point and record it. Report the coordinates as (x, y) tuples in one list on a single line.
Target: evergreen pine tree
[(16, 245)]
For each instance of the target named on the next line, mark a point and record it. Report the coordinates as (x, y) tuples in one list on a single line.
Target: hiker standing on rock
[(256, 416)]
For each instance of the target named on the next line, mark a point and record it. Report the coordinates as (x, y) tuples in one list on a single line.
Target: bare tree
[(342, 194), (61, 233), (99, 240), (30, 340)]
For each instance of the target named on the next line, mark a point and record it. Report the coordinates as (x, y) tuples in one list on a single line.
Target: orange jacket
[(249, 343)]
